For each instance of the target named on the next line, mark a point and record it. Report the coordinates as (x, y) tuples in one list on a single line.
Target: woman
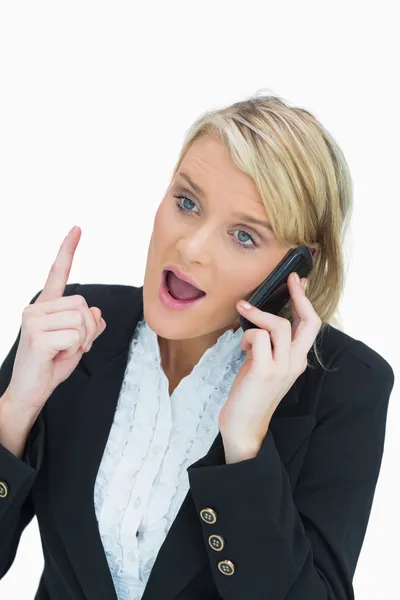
[(179, 457)]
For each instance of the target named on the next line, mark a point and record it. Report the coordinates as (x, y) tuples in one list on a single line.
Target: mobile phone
[(273, 293)]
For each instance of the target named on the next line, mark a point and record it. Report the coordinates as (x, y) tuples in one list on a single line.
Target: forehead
[(205, 175), (209, 163)]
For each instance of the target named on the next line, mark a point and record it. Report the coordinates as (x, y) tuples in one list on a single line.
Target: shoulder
[(357, 376), (103, 295), (336, 346), (100, 293)]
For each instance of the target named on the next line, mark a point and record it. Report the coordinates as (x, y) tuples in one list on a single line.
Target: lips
[(182, 276)]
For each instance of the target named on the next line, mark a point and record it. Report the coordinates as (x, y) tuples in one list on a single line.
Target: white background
[(95, 98)]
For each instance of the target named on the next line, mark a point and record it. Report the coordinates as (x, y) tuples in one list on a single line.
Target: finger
[(93, 326), (74, 302), (87, 323), (261, 318), (295, 315), (101, 324), (279, 332), (258, 343), (58, 276), (96, 312), (92, 316), (310, 323)]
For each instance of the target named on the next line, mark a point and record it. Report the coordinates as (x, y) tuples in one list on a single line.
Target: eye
[(184, 210)]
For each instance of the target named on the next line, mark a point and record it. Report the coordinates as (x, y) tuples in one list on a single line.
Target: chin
[(177, 329), (169, 326)]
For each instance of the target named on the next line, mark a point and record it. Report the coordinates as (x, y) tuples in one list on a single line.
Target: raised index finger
[(60, 269)]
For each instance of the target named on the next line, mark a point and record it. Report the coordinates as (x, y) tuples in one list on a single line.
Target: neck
[(178, 357)]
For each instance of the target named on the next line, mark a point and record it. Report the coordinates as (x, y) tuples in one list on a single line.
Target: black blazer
[(293, 518)]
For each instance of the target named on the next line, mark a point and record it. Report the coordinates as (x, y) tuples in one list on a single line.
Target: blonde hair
[(303, 180)]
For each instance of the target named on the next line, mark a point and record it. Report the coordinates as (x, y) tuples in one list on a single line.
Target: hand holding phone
[(273, 293)]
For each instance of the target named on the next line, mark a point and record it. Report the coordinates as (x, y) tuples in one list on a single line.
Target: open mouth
[(180, 290)]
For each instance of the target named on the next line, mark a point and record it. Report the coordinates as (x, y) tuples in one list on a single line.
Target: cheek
[(161, 227), (159, 216), (241, 285), (164, 222), (232, 285)]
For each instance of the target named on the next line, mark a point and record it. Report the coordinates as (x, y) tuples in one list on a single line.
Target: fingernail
[(296, 276), (304, 284), (243, 304)]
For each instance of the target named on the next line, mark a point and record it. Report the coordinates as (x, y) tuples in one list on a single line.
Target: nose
[(197, 246)]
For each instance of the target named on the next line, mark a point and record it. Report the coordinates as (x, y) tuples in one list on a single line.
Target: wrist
[(15, 426), (239, 451), (20, 418)]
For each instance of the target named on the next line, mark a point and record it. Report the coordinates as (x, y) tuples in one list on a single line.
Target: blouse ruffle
[(142, 478)]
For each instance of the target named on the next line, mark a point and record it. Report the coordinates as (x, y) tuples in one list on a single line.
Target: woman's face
[(227, 254)]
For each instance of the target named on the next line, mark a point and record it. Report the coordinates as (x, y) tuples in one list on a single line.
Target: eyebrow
[(240, 215)]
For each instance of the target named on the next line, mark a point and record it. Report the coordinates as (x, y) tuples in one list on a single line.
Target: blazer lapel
[(86, 410)]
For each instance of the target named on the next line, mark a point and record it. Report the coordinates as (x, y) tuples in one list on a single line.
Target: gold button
[(216, 542), (208, 515), (3, 489), (226, 567)]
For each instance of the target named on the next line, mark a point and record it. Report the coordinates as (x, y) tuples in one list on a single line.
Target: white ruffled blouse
[(142, 479)]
